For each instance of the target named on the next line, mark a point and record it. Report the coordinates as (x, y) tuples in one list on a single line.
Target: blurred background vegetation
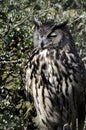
[(16, 30)]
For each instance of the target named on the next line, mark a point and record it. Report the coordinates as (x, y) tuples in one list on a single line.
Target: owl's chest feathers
[(55, 72), (54, 63)]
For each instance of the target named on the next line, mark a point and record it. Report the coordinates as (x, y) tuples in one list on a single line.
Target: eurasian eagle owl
[(55, 78)]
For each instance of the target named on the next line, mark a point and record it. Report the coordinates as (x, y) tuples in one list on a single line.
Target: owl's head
[(50, 33)]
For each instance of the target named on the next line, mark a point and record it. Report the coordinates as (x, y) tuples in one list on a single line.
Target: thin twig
[(12, 61)]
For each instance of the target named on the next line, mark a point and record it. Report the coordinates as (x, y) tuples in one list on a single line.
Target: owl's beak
[(42, 43), (37, 22)]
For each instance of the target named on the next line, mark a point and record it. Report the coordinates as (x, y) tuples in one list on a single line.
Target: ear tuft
[(37, 22), (60, 25)]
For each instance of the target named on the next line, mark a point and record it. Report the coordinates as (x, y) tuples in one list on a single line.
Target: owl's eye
[(52, 34)]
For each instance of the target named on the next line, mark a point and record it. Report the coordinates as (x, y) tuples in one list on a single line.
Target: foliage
[(16, 30)]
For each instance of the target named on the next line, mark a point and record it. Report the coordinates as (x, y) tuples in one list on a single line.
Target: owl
[(55, 78)]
